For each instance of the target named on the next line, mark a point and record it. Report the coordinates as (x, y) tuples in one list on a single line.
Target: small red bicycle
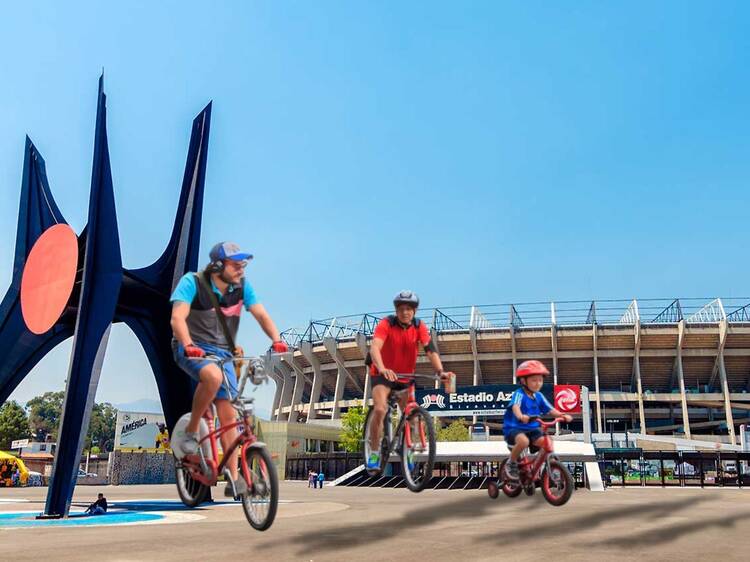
[(537, 466), (196, 473)]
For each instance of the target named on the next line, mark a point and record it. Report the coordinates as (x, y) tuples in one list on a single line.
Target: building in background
[(676, 367)]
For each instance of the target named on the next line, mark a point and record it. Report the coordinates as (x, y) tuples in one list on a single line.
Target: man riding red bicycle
[(205, 320), (394, 351)]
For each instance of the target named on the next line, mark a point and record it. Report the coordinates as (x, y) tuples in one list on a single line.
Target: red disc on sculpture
[(48, 277)]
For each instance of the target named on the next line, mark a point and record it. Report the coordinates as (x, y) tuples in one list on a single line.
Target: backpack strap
[(205, 280)]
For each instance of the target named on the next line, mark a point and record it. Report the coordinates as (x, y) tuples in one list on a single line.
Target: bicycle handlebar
[(418, 376), (546, 423), (254, 369)]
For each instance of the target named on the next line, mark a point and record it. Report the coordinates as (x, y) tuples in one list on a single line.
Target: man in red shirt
[(394, 351)]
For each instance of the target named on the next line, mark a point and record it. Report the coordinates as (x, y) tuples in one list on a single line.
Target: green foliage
[(352, 426), (455, 431), (44, 414), (14, 424), (95, 450), (102, 427)]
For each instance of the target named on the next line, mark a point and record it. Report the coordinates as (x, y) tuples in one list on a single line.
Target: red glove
[(194, 351), (280, 347)]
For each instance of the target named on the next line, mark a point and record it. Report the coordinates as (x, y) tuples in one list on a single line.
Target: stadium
[(668, 367)]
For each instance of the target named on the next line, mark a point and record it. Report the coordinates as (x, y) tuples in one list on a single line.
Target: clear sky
[(474, 152)]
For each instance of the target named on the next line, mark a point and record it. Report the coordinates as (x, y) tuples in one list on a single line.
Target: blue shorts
[(532, 434), (193, 366)]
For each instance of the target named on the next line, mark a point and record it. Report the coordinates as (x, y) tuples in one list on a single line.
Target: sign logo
[(568, 398), (433, 399)]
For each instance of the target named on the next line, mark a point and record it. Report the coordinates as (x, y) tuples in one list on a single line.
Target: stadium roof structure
[(652, 312), (687, 357)]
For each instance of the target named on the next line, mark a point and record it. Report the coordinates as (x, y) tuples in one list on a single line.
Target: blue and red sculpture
[(101, 291)]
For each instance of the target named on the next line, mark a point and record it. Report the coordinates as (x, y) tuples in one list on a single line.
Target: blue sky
[(476, 153)]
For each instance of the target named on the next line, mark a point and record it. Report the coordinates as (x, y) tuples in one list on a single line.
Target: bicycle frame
[(531, 470), (246, 438), (411, 405)]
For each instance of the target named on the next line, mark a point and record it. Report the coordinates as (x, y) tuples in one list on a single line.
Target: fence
[(635, 467)]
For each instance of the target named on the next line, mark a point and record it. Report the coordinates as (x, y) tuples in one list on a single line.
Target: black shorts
[(532, 434), (393, 385)]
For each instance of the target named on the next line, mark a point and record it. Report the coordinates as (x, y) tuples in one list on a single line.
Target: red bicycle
[(538, 465), (196, 473), (413, 436)]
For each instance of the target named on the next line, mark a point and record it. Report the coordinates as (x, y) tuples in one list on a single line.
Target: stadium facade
[(655, 366)]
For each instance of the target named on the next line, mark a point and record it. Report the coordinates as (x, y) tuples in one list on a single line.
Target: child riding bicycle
[(206, 309), (526, 402)]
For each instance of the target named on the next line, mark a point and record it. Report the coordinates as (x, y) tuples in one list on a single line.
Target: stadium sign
[(482, 400), (568, 398), (141, 431)]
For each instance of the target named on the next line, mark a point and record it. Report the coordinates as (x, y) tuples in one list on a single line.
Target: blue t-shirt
[(187, 288), (536, 406)]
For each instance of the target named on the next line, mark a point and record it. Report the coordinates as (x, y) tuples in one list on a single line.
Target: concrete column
[(338, 393), (434, 339), (681, 378), (553, 335), (513, 352), (586, 414), (724, 382), (343, 374), (594, 330), (299, 384), (361, 340), (317, 385), (286, 393), (637, 376)]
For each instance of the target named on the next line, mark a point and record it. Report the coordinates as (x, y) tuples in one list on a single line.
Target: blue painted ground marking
[(76, 519)]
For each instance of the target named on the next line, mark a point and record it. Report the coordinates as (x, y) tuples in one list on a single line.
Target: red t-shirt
[(401, 345)]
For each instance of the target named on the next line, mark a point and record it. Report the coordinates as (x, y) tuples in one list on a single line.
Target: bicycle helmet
[(406, 297), (532, 367)]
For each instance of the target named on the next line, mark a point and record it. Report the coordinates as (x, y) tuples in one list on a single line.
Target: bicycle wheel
[(262, 497), (367, 448), (557, 483), (510, 488), (417, 461), (191, 492)]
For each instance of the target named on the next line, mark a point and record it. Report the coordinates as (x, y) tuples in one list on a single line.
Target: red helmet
[(533, 367)]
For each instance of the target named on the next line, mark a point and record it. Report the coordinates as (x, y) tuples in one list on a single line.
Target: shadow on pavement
[(368, 533), (594, 519), (662, 535)]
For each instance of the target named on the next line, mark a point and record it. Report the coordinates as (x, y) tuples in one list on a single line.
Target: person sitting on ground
[(99, 507), (527, 401)]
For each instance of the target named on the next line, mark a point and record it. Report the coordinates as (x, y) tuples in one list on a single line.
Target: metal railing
[(537, 315)]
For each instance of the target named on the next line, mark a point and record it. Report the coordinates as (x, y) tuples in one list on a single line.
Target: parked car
[(83, 474)]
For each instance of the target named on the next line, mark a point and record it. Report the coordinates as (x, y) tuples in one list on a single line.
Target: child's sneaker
[(511, 470)]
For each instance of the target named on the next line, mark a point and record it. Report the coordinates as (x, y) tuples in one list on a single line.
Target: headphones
[(216, 266)]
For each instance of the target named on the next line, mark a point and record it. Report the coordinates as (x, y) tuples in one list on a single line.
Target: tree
[(44, 414), (455, 431), (102, 427), (352, 426), (14, 424)]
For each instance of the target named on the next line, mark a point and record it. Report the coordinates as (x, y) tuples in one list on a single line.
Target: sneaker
[(511, 470), (190, 444), (373, 463), (235, 488), (410, 460)]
